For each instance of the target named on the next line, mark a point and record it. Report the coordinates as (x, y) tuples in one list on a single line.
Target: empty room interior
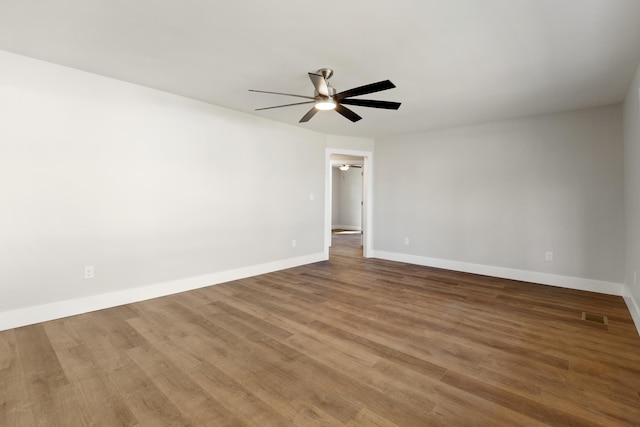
[(363, 213)]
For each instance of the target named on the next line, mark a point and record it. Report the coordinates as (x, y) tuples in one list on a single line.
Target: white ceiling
[(454, 62)]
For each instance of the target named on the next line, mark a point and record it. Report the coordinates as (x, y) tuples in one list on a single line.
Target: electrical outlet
[(294, 243), (548, 256), (312, 196), (406, 240), (88, 272)]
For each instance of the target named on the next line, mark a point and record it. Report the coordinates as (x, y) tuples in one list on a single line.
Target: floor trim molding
[(42, 313), (633, 306), (345, 227), (602, 287), (610, 288)]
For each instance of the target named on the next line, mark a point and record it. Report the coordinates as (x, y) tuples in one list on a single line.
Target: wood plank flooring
[(348, 342)]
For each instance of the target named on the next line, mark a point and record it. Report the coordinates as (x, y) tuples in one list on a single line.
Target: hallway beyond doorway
[(345, 243)]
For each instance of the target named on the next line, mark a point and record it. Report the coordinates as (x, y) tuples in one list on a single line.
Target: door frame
[(367, 198)]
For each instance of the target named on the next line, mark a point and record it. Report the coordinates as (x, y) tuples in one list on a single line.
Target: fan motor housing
[(330, 90)]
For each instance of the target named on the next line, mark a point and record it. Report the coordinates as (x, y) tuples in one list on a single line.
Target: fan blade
[(279, 93), (371, 103), (347, 113), (309, 115), (320, 84), (285, 105), (363, 90)]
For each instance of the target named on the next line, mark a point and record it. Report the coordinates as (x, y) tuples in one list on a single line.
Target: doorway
[(348, 195)]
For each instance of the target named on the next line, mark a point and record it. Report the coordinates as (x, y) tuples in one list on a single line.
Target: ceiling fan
[(347, 166), (326, 98)]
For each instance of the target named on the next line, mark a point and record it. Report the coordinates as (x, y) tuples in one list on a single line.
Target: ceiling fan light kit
[(325, 97), (325, 104)]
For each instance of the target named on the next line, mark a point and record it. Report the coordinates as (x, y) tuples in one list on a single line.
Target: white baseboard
[(598, 286), (345, 227), (633, 306), (42, 313), (507, 273), (57, 310)]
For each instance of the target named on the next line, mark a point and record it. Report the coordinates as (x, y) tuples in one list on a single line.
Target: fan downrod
[(326, 73)]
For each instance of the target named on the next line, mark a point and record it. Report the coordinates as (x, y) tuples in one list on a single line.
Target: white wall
[(335, 198), (148, 187), (502, 194), (350, 143), (347, 198), (632, 196)]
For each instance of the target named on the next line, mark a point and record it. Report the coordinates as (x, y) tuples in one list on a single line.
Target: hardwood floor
[(351, 341)]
